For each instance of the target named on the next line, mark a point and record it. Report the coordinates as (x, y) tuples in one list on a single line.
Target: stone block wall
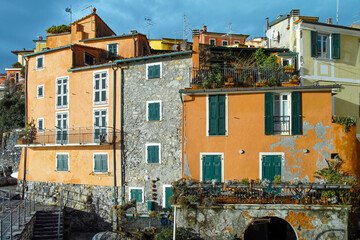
[(226, 221), (166, 132), (9, 154)]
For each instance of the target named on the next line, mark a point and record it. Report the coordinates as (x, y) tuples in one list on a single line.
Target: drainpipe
[(114, 147), (25, 149), (174, 230)]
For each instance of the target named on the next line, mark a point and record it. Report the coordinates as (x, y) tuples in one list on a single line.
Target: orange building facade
[(255, 133), (220, 39)]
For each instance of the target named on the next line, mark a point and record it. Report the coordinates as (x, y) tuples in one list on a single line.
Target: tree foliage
[(265, 61), (58, 29)]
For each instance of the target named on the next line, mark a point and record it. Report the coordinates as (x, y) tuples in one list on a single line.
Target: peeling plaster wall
[(226, 221)]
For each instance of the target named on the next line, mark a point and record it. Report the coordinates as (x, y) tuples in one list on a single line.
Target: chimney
[(40, 38), (329, 21), (204, 28), (195, 49), (267, 23), (295, 13)]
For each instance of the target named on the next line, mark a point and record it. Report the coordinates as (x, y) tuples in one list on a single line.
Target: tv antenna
[(337, 12), (229, 33), (68, 10), (148, 24), (185, 27)]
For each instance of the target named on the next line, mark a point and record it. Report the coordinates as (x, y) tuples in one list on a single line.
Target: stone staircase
[(46, 225)]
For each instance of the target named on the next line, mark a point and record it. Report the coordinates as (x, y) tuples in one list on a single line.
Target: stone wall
[(9, 154), (226, 221), (167, 132), (27, 230)]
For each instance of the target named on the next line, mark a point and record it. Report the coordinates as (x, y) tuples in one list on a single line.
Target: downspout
[(114, 135), (25, 149)]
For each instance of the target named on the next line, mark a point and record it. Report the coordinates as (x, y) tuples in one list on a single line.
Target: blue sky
[(24, 20)]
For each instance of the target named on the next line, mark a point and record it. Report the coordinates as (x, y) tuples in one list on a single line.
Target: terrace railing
[(242, 77), (71, 136)]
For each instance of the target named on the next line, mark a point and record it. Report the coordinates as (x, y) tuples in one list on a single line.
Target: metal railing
[(15, 218), (282, 124), (5, 197), (68, 136), (241, 77)]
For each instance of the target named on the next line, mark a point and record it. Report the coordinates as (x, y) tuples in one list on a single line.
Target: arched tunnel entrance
[(269, 228)]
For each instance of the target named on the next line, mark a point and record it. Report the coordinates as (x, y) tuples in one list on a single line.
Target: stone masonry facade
[(166, 132), (9, 154)]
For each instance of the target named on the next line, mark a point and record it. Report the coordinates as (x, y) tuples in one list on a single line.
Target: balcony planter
[(260, 84)]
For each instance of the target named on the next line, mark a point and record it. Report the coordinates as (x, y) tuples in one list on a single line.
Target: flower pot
[(260, 84)]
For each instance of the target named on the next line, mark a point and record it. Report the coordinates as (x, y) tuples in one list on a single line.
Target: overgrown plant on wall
[(346, 121), (58, 29)]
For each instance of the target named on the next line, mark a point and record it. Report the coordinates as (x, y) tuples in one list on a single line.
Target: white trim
[(152, 64), (12, 69), (62, 107), (329, 29), (147, 110), (272, 153), (38, 130), (106, 122), (137, 188), (67, 123), (226, 116), (164, 195), (222, 164), (100, 153), (152, 144), (68, 159), (37, 93), (331, 79), (117, 49), (222, 43), (106, 102), (282, 114), (43, 62)]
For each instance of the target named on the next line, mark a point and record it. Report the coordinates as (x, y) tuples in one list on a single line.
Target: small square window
[(40, 125), (89, 59), (100, 163), (40, 62), (112, 50), (153, 153), (224, 43), (153, 70), (62, 162), (40, 91), (236, 42), (212, 42), (137, 194), (153, 110)]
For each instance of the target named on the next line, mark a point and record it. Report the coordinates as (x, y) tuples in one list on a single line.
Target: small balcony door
[(282, 113), (100, 123), (62, 128)]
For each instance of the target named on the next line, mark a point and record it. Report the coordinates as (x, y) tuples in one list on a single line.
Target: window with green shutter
[(100, 163), (39, 62), (322, 43), (112, 50), (154, 111), (153, 153), (62, 162), (62, 93), (296, 122), (100, 88), (335, 46), (217, 119), (153, 71), (40, 124), (136, 194), (40, 92), (211, 168)]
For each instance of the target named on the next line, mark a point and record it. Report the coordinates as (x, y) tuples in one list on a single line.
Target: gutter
[(114, 147), (25, 148)]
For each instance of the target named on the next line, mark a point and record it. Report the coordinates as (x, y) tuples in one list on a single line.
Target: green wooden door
[(168, 194), (271, 166), (211, 167)]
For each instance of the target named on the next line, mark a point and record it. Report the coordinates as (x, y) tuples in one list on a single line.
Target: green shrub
[(58, 29)]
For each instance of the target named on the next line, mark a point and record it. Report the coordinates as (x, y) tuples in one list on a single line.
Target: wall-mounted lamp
[(305, 151), (241, 151)]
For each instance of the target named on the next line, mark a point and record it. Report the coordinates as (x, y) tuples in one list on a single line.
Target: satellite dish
[(268, 33), (274, 34)]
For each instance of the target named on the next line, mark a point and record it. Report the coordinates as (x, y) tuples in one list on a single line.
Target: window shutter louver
[(269, 118), (296, 113), (221, 119), (336, 46), (313, 44)]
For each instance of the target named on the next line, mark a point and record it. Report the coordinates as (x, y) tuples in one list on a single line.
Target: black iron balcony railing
[(282, 125), (71, 136), (241, 77)]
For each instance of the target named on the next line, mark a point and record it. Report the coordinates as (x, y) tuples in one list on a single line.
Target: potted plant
[(294, 79), (27, 134), (261, 83)]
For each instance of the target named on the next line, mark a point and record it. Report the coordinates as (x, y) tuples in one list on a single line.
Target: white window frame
[(146, 155), (62, 94), (101, 103), (226, 117), (222, 43), (38, 120), (147, 109), (329, 47), (68, 159), (214, 41), (117, 49), (222, 163), (142, 193), (106, 121), (261, 154), (289, 110), (67, 123), (43, 62), (164, 195), (152, 64), (37, 93), (107, 156)]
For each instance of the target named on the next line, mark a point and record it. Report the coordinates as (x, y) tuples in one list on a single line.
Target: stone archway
[(269, 228)]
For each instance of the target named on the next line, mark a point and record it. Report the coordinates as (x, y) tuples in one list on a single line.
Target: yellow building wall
[(39, 47), (246, 132), (41, 161)]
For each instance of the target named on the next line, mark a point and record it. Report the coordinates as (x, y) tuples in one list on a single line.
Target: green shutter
[(153, 154), (168, 194), (211, 167), (40, 91), (217, 115), (271, 166), (269, 118), (296, 113), (157, 71), (40, 127), (154, 71), (97, 163), (335, 46), (136, 194), (62, 162), (154, 111), (40, 62), (59, 101), (314, 44)]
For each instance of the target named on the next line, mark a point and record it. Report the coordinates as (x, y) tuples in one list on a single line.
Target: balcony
[(207, 77), (282, 125), (79, 136)]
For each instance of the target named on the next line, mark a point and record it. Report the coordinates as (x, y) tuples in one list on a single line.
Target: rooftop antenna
[(68, 10), (337, 12), (148, 24), (185, 27), (90, 6), (229, 33)]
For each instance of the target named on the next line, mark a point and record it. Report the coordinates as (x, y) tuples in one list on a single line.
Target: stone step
[(48, 236)]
